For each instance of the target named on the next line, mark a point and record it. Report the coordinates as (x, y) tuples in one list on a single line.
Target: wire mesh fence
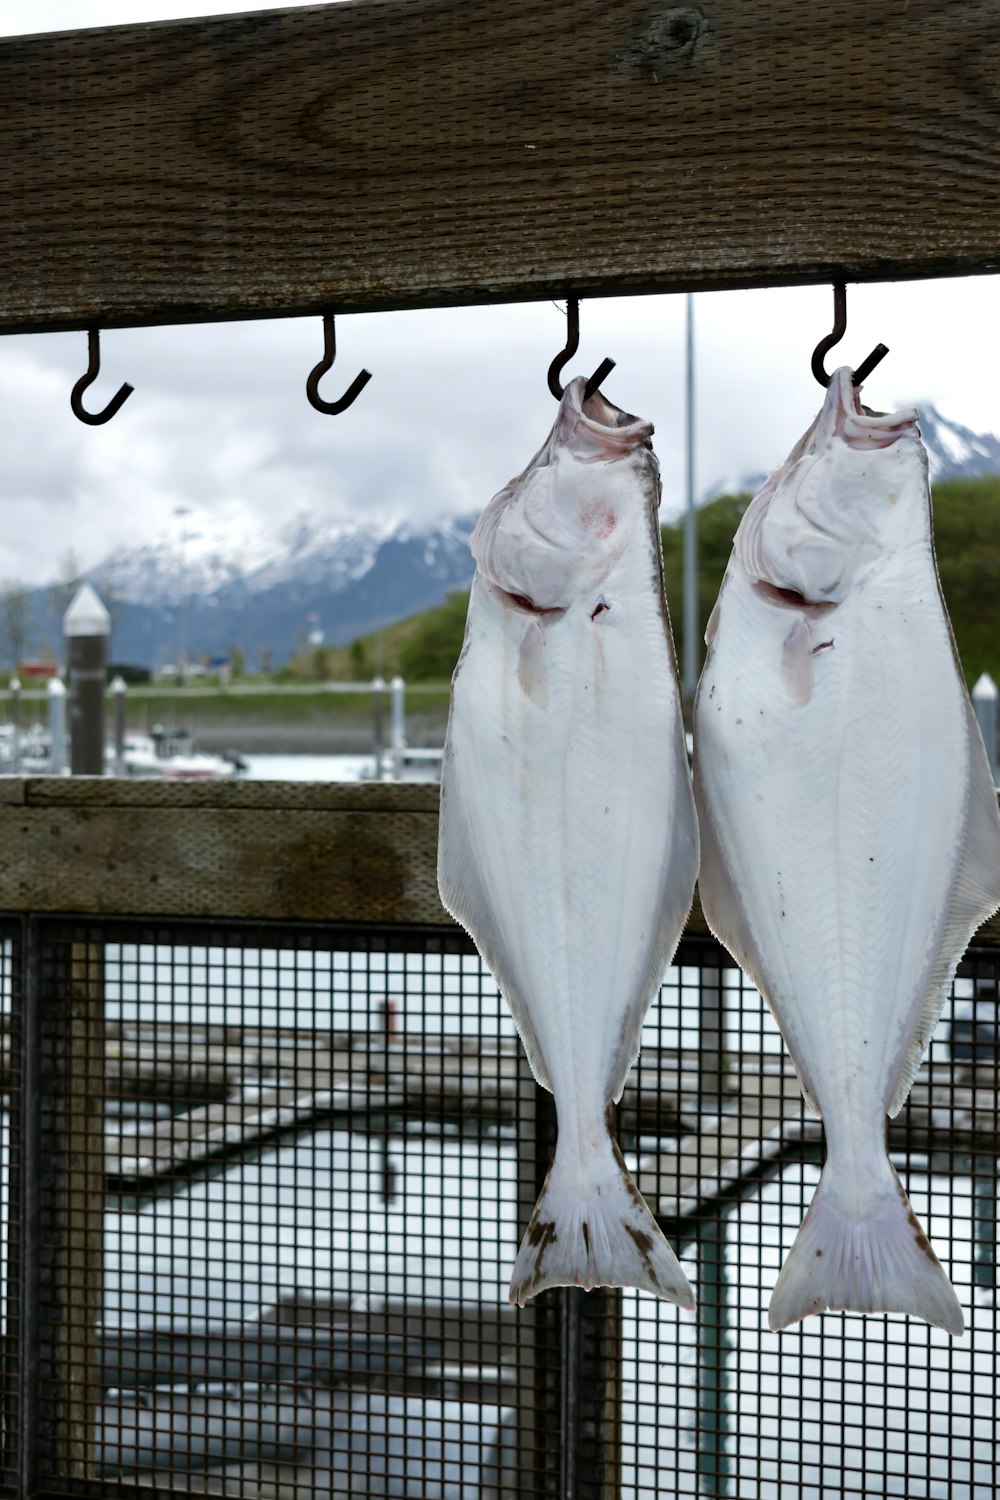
[(263, 1190)]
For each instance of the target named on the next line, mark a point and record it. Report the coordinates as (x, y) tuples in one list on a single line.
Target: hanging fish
[(568, 843), (849, 826)]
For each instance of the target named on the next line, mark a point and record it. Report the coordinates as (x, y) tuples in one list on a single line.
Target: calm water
[(309, 1218), (308, 767)]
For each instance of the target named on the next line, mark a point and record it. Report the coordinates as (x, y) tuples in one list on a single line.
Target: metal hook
[(332, 408), (565, 355), (95, 419), (839, 329)]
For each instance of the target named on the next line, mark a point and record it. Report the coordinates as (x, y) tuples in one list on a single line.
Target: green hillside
[(967, 535)]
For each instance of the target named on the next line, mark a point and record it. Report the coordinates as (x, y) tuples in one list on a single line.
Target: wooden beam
[(278, 851), (258, 850), (419, 153)]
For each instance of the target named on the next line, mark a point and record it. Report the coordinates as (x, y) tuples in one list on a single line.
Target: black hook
[(565, 355), (94, 419), (357, 385), (839, 329)]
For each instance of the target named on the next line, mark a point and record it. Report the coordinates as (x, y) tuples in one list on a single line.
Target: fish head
[(550, 538), (836, 507)]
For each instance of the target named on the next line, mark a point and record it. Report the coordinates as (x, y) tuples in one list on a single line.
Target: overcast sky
[(458, 403)]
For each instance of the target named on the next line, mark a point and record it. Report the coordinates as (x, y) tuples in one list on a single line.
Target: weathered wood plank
[(314, 796), (417, 153), (290, 865), (282, 851)]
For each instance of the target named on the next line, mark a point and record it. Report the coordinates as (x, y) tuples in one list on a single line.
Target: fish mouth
[(595, 429), (845, 417)]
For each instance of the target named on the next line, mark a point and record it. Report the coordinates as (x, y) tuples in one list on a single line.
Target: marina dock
[(236, 1090)]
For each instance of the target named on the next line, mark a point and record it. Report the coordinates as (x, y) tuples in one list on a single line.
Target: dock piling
[(56, 697), (86, 626), (378, 723), (118, 690), (15, 719), (984, 701), (397, 725)]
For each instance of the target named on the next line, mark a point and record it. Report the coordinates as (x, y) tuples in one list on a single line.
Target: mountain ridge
[(227, 581)]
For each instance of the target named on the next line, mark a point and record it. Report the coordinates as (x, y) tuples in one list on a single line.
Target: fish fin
[(723, 910), (462, 894), (975, 897), (882, 1263), (592, 1227)]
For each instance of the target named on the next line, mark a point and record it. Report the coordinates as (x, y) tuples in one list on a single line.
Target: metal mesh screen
[(266, 1188), (717, 1405), (11, 1156)]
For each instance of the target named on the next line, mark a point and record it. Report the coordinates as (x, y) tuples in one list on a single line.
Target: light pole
[(182, 511)]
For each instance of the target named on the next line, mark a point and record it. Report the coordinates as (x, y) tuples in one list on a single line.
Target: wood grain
[(283, 851), (418, 153)]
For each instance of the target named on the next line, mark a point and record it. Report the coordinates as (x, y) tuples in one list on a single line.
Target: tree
[(17, 621), (62, 593), (319, 664), (114, 602), (432, 650), (360, 662)]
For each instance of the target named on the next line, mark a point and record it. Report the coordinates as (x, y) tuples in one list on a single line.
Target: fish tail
[(592, 1227), (881, 1262)]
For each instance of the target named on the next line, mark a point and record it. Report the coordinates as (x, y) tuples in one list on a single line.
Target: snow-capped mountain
[(222, 584), (213, 556), (953, 452), (229, 581)]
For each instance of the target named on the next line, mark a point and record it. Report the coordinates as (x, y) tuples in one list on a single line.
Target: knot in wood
[(670, 37)]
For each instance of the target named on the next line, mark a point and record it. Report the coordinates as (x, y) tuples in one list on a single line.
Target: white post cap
[(86, 615), (985, 689), (118, 684), (56, 688)]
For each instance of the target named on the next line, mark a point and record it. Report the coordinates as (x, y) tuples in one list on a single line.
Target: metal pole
[(15, 720), (711, 1049), (984, 1219), (25, 1236), (715, 1347), (86, 626), (397, 725), (182, 511), (118, 692), (984, 701), (57, 726), (378, 723), (691, 653)]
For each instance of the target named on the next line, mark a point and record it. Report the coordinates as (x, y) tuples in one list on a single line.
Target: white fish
[(849, 826), (568, 844)]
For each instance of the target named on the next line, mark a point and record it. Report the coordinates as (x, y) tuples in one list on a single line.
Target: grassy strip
[(264, 707)]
